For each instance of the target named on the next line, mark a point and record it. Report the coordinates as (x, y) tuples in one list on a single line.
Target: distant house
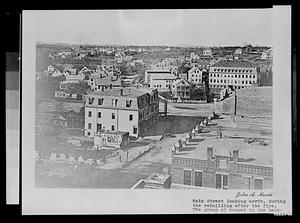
[(51, 68), (70, 76), (181, 88), (56, 73), (195, 75), (238, 51), (107, 82), (65, 94), (85, 69)]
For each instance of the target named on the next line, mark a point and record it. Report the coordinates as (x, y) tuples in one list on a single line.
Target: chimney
[(235, 155), (210, 152)]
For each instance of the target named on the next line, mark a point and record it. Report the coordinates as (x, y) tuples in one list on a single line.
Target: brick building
[(223, 163)]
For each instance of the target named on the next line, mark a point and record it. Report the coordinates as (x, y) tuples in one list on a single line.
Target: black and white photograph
[(165, 101)]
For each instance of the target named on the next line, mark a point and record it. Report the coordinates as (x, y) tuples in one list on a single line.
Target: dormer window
[(128, 103), (100, 101), (91, 101)]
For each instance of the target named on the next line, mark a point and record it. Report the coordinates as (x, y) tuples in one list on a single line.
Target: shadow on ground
[(174, 124)]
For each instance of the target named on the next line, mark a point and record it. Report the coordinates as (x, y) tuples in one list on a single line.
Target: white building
[(51, 68), (235, 73), (129, 110), (73, 77), (238, 51), (195, 75), (159, 79), (56, 73), (181, 88)]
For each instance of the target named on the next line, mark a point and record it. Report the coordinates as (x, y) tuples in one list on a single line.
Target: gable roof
[(179, 81)]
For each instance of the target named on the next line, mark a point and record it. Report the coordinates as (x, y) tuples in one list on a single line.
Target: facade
[(129, 110), (217, 163), (235, 73), (161, 80), (195, 75), (181, 88)]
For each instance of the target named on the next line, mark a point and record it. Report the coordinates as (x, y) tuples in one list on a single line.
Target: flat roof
[(127, 92), (252, 154)]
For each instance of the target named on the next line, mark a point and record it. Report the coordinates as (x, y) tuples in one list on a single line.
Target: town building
[(161, 80), (195, 75), (223, 163), (103, 81), (181, 89), (129, 110), (73, 75), (235, 73)]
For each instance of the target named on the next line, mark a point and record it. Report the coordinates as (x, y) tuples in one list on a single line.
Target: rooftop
[(108, 80), (233, 63), (157, 178), (249, 153), (127, 92)]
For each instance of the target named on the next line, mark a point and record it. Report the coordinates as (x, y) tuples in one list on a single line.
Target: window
[(130, 117), (100, 101), (114, 102), (99, 114), (221, 181), (91, 100), (90, 126), (134, 130), (246, 76), (198, 178), (88, 133), (90, 114), (258, 184), (113, 116), (112, 128), (187, 177), (99, 127)]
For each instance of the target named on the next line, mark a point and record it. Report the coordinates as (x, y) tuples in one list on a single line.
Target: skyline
[(156, 27)]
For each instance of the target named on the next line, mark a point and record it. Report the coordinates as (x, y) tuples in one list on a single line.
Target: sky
[(156, 27)]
